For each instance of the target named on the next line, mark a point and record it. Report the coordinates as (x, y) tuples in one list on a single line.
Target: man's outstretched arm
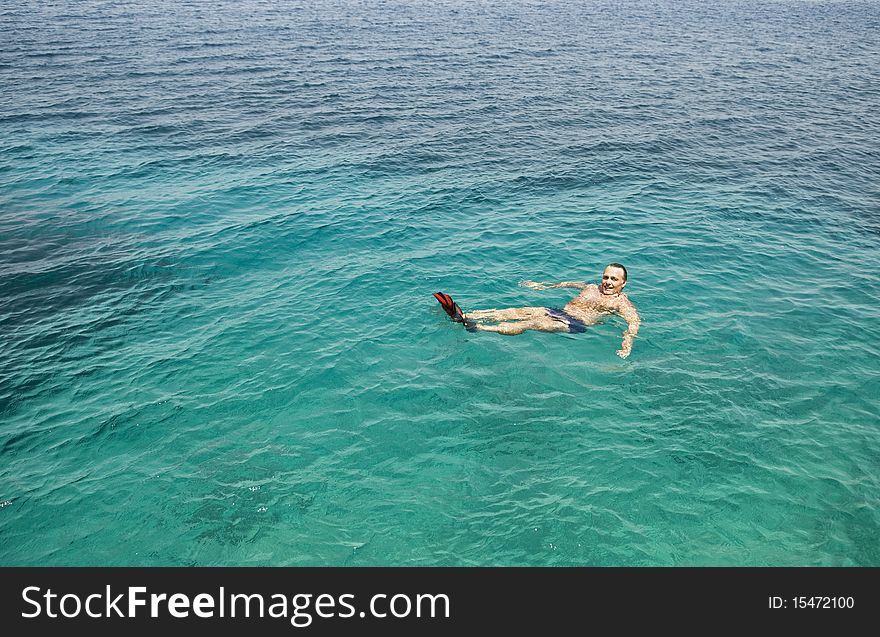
[(534, 285), (633, 322)]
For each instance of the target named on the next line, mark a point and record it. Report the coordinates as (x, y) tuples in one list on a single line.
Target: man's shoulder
[(626, 304)]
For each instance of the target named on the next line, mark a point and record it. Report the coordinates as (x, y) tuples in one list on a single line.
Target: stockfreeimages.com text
[(299, 608)]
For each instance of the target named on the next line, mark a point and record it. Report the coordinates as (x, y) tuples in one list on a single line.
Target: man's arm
[(534, 285), (633, 322)]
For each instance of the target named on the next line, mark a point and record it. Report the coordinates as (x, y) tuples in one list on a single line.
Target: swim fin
[(454, 311)]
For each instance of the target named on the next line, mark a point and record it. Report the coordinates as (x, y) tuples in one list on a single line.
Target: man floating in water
[(583, 310)]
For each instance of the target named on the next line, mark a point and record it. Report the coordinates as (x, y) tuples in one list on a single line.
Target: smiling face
[(613, 280)]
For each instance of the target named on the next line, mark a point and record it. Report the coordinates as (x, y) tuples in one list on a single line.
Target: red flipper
[(454, 312), (447, 303)]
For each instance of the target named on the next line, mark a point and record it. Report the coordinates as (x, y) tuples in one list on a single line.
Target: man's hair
[(617, 265)]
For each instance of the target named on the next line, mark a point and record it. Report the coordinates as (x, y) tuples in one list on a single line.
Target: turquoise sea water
[(221, 225)]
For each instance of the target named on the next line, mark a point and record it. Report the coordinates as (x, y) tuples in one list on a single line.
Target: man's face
[(612, 281)]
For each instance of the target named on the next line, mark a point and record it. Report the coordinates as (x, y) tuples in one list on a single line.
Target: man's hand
[(534, 285), (623, 353)]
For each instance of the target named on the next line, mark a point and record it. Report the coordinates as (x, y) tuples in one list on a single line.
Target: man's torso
[(591, 303)]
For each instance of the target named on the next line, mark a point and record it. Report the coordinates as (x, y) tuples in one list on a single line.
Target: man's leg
[(514, 328), (510, 314)]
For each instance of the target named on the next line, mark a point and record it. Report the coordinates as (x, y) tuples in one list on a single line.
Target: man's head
[(613, 279)]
